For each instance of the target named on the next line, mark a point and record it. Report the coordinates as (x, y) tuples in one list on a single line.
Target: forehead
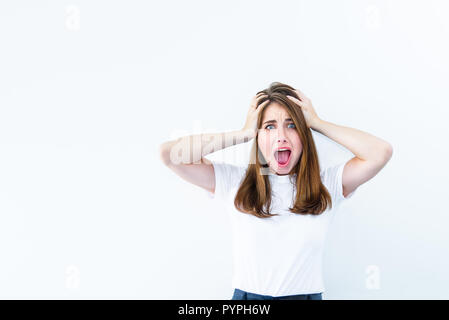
[(275, 111)]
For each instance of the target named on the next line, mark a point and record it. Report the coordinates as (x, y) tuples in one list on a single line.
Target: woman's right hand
[(253, 113)]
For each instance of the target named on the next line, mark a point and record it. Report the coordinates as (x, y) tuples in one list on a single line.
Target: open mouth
[(282, 156)]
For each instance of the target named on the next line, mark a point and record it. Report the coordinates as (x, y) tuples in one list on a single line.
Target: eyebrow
[(274, 121)]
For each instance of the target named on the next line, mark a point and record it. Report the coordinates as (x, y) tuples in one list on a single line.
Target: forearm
[(363, 145), (191, 149)]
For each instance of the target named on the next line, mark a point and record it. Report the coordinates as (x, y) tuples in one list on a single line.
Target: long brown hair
[(254, 194)]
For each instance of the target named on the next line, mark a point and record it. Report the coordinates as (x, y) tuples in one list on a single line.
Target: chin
[(280, 170), (283, 169)]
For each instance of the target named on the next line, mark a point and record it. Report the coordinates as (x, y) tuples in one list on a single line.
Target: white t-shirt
[(280, 255)]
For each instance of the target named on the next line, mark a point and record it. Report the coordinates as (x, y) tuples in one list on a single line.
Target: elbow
[(387, 152), (164, 154), (172, 152)]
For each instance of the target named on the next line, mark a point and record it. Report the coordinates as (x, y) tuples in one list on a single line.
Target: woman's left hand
[(306, 108)]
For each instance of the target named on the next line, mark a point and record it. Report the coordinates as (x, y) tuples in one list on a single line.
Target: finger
[(258, 96), (300, 94), (298, 102), (261, 96), (257, 99), (259, 107)]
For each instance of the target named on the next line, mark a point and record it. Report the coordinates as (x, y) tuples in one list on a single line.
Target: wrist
[(250, 133), (316, 123)]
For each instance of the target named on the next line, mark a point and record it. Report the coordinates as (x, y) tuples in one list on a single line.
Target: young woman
[(282, 203)]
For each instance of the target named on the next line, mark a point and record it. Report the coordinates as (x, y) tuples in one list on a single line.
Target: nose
[(281, 136), (280, 140)]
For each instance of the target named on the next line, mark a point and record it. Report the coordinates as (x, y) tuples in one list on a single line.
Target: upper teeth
[(283, 149)]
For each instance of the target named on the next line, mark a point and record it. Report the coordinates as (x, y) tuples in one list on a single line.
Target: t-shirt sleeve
[(332, 179), (227, 176)]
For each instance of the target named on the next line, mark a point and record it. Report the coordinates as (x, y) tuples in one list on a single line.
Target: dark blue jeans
[(243, 295)]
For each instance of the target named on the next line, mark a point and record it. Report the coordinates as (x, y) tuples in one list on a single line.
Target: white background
[(90, 89)]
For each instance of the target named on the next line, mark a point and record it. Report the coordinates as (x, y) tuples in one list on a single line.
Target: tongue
[(282, 156)]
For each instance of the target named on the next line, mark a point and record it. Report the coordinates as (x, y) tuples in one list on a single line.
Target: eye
[(292, 124), (270, 125)]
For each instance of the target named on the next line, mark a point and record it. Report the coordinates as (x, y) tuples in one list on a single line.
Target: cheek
[(297, 142), (264, 144)]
